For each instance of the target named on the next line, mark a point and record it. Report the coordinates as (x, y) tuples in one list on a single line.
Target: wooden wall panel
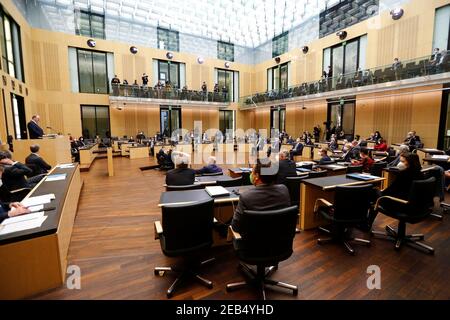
[(401, 117), (56, 119), (408, 38), (140, 68), (130, 121), (51, 66), (42, 111), (385, 45), (38, 78), (128, 68)]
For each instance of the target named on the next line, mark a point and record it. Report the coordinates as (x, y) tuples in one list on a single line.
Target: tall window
[(341, 114), (18, 111), (280, 44), (225, 51), (226, 122), (11, 46), (278, 77), (95, 121), (90, 24), (346, 57), (92, 71), (168, 39), (230, 80), (278, 118), (441, 38), (169, 71), (170, 119)]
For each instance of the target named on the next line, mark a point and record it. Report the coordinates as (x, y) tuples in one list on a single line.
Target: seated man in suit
[(35, 161), (182, 175), (297, 150), (15, 172), (34, 129), (286, 168), (266, 196), (324, 158), (210, 168), (13, 209)]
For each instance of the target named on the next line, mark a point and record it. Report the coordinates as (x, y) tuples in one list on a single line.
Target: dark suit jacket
[(4, 208), (34, 130), (261, 198), (180, 177), (286, 169), (298, 148), (324, 160), (209, 169), (14, 176), (37, 164)]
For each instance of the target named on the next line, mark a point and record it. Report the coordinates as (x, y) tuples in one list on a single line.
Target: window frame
[(93, 73), (344, 45), (90, 14), (95, 106), (276, 43), (168, 32), (279, 66), (226, 46)]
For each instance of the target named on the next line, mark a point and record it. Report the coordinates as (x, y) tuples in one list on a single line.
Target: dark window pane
[(90, 25), (85, 72), (280, 44), (225, 51), (100, 73), (168, 40)]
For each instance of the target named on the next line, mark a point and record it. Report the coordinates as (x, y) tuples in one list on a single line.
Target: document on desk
[(36, 208), (21, 225), (440, 156), (23, 217), (34, 201), (56, 177), (65, 165)]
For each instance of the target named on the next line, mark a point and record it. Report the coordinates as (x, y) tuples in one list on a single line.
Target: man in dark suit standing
[(35, 162), (265, 196), (34, 130), (182, 175), (286, 168)]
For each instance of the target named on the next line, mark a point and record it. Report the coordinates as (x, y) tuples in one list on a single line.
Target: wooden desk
[(223, 206), (313, 189), (237, 172), (390, 174), (139, 152), (423, 153), (35, 260), (333, 169), (53, 150), (444, 163), (87, 156), (4, 147), (211, 180)]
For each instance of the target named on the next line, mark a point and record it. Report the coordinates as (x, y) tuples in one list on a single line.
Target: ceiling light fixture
[(397, 13)]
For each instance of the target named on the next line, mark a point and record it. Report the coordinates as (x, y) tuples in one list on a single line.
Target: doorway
[(341, 114), (95, 121), (20, 121), (170, 119)]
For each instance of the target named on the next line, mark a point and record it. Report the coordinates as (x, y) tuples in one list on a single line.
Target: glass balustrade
[(425, 66)]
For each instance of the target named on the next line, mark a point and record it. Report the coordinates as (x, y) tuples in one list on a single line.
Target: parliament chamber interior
[(225, 150)]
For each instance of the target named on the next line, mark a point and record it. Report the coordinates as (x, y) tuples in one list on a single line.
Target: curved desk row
[(35, 260)]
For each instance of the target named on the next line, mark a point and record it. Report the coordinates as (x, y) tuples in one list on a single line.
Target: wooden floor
[(113, 244)]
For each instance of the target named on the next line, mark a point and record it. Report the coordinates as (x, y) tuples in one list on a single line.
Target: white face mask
[(401, 166), (1, 182)]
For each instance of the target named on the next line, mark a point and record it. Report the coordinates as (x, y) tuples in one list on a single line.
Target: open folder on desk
[(22, 223), (34, 201), (56, 177)]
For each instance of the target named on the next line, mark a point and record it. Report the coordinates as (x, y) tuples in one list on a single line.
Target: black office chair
[(17, 195), (377, 168), (230, 183), (439, 194), (415, 210), (350, 209), (266, 239), (293, 185), (212, 174), (317, 174), (185, 187), (355, 169), (186, 231)]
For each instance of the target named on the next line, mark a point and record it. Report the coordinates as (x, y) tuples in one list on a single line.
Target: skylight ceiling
[(247, 23)]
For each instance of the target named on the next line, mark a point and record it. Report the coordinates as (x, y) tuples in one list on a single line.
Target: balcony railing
[(419, 67), (165, 93)]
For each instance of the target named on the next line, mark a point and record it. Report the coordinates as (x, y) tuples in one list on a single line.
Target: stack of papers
[(22, 223), (246, 169), (34, 201), (440, 156), (217, 191), (56, 177), (65, 165)]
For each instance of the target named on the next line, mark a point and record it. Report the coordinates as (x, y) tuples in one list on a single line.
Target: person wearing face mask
[(265, 196), (410, 170), (12, 209), (402, 149)]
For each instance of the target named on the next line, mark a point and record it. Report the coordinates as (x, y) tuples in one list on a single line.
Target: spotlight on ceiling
[(91, 43), (227, 65), (133, 50), (397, 13), (169, 55), (200, 60), (277, 59), (305, 49), (342, 35)]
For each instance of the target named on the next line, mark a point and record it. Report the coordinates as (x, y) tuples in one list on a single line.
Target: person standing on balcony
[(144, 79), (224, 93), (115, 83), (204, 90)]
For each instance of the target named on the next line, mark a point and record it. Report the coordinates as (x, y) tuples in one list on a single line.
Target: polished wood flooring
[(113, 244)]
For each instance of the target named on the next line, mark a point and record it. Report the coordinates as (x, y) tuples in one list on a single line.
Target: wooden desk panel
[(139, 152)]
